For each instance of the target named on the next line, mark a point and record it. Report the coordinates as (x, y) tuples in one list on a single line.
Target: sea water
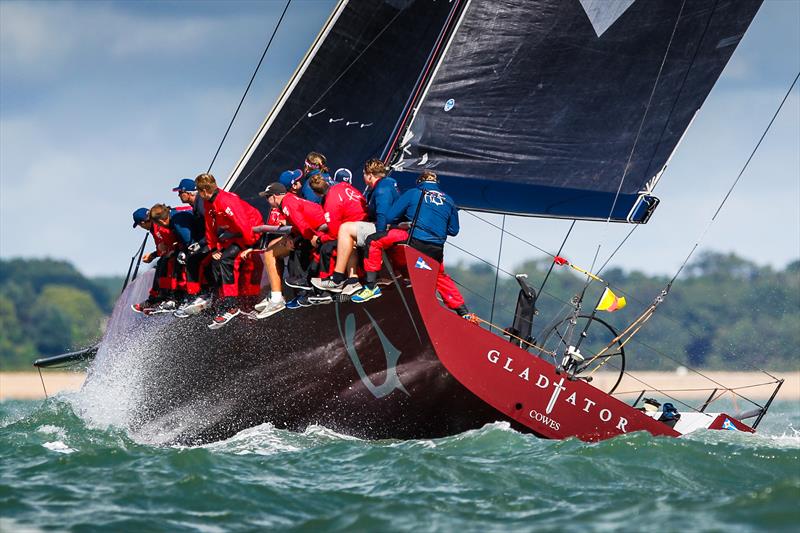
[(62, 472)]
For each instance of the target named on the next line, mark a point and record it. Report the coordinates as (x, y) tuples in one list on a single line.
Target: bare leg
[(344, 246), (277, 249)]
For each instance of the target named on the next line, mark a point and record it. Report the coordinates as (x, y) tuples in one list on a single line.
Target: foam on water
[(60, 470)]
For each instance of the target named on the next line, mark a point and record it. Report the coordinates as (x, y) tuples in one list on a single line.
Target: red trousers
[(377, 243)]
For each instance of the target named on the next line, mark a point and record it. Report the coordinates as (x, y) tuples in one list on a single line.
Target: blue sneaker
[(366, 294), (298, 302)]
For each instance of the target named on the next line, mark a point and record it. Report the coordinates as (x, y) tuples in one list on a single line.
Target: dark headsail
[(536, 106)]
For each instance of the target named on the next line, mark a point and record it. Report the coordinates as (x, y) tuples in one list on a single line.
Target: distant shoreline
[(26, 385)]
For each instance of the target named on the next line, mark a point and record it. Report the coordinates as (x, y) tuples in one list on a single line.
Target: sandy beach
[(28, 386), (686, 385)]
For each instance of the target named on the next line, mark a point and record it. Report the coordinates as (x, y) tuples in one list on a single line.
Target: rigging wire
[(635, 141), (553, 263), (735, 182), (683, 84), (249, 84), (497, 271)]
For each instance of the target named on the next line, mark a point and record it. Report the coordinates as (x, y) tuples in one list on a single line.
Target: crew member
[(306, 219), (434, 217), (315, 163), (234, 219), (342, 203), (195, 257), (381, 194), (162, 293)]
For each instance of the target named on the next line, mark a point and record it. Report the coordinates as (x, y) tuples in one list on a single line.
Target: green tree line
[(47, 307), (723, 311)]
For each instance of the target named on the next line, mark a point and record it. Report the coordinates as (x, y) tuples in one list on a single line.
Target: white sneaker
[(221, 320), (271, 308), (193, 307), (260, 306), (167, 306)]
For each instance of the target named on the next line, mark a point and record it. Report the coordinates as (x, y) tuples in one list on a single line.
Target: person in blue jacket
[(193, 256), (434, 217)]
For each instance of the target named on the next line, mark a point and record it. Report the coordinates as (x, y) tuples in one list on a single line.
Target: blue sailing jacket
[(380, 200), (438, 215), (181, 223)]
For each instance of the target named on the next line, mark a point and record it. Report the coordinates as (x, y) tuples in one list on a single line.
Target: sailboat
[(548, 108)]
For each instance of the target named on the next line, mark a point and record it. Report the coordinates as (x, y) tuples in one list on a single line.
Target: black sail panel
[(347, 96), (536, 106)]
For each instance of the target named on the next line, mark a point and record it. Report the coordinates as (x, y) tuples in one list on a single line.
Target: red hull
[(521, 386)]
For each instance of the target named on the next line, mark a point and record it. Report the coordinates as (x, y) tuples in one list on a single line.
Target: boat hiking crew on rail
[(211, 253)]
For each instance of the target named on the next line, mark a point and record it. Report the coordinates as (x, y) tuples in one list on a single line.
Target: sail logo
[(560, 395), (448, 105), (727, 424)]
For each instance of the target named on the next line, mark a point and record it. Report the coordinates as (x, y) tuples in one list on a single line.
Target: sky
[(105, 106)]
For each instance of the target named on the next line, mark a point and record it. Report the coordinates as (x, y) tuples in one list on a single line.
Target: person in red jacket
[(229, 230), (342, 203), (307, 219)]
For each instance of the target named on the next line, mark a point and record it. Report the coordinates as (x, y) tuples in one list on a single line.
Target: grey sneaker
[(327, 284), (351, 288), (168, 306), (271, 308)]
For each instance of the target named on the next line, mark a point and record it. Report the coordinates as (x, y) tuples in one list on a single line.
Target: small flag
[(560, 260), (422, 264), (611, 302), (727, 424)]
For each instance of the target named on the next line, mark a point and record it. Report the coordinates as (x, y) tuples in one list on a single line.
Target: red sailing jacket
[(275, 218), (227, 213), (165, 239), (304, 216), (343, 203)]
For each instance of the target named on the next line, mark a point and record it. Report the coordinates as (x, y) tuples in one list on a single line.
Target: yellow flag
[(611, 302)]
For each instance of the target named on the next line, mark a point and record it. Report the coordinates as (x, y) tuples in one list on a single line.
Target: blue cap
[(186, 184), (140, 215), (290, 177)]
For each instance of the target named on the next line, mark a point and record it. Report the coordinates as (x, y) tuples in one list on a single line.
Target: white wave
[(321, 431), (259, 440), (48, 429), (59, 447)]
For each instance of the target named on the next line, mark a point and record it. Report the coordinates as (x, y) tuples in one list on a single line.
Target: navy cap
[(186, 184), (273, 189), (343, 175), (290, 177), (140, 215), (325, 175)]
